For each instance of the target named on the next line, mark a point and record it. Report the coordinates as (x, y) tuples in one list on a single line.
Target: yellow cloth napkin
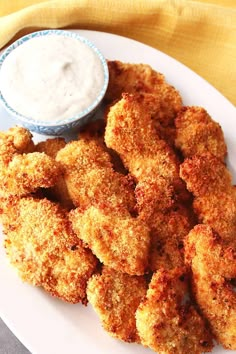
[(200, 34)]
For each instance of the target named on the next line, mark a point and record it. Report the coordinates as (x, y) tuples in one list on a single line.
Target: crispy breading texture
[(21, 172), (26, 173), (41, 245), (51, 146), (168, 231), (59, 191), (115, 297), (197, 132), (213, 265), (21, 139), (219, 211), (141, 78), (165, 322), (119, 241), (205, 174), (90, 177), (131, 133)]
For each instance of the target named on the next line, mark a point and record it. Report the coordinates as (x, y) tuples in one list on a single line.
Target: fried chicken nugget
[(95, 130), (169, 223), (141, 78), (90, 177), (130, 132), (41, 245), (118, 240), (209, 180), (213, 265), (197, 132), (219, 211), (22, 173), (21, 139), (115, 297), (166, 322), (168, 231), (59, 191), (205, 174)]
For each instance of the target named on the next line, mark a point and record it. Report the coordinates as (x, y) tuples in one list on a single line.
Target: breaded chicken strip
[(166, 322), (59, 191), (90, 177), (219, 211), (141, 78), (22, 173), (118, 240), (197, 132), (209, 180), (168, 231), (40, 243), (95, 131), (130, 132), (115, 297), (205, 174), (168, 221), (213, 265)]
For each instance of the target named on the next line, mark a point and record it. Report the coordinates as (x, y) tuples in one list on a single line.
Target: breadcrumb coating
[(141, 78), (205, 174), (115, 297), (90, 177), (219, 211), (59, 191), (166, 322), (197, 132), (21, 172), (209, 180), (168, 231), (26, 173), (118, 241), (41, 245), (130, 132), (20, 137), (213, 264)]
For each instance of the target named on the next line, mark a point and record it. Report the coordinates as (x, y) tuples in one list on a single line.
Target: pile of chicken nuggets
[(137, 216)]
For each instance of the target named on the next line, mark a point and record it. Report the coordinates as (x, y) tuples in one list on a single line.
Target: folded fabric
[(200, 34)]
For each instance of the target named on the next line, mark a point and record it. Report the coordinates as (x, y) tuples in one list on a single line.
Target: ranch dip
[(51, 78)]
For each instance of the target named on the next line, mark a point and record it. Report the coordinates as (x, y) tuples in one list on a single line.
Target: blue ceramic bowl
[(69, 124)]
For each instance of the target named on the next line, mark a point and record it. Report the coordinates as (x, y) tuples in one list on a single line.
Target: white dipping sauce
[(51, 78)]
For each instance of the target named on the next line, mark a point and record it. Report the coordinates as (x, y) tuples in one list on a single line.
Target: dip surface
[(51, 78)]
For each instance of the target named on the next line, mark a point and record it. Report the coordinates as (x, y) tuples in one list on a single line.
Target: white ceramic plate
[(46, 325)]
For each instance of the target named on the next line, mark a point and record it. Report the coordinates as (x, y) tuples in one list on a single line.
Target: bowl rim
[(56, 123)]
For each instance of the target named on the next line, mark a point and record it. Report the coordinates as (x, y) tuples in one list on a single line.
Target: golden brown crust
[(21, 172), (166, 322), (59, 191), (90, 177), (130, 132), (118, 240), (26, 173), (196, 132), (213, 265), (219, 211), (40, 243), (209, 180), (164, 101), (51, 146), (20, 137), (126, 77), (115, 297), (205, 174)]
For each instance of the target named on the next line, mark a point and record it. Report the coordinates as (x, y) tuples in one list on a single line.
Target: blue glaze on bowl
[(60, 126)]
